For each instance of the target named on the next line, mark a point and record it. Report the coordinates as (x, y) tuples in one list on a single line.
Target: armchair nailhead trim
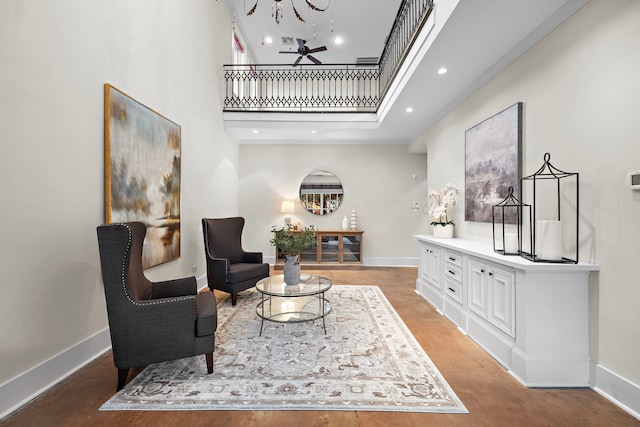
[(124, 270)]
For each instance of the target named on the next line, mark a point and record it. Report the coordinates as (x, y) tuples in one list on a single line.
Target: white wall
[(55, 58), (580, 90), (378, 183)]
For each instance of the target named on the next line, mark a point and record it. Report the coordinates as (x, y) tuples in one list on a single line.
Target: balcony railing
[(337, 87), (326, 87), (408, 23)]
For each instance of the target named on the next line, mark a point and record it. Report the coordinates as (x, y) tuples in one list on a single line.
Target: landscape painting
[(493, 164), (142, 173)]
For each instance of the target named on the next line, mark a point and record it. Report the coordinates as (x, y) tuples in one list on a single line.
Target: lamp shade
[(287, 206)]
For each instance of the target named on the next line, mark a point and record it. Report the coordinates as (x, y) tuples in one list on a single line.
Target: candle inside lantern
[(549, 240), (510, 243)]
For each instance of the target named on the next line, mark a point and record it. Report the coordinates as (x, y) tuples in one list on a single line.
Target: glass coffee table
[(284, 303)]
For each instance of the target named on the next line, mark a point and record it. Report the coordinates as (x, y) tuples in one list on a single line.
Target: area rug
[(368, 360)]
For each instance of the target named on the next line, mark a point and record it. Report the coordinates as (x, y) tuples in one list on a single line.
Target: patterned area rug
[(367, 361)]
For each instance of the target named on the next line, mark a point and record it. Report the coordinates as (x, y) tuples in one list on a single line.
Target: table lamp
[(287, 207)]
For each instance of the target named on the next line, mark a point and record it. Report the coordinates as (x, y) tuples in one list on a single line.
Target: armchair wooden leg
[(122, 378), (234, 299), (209, 357)]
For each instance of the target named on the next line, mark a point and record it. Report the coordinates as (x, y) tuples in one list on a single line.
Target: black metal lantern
[(555, 223), (510, 211)]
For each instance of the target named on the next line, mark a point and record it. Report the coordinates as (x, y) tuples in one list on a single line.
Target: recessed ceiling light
[(255, 131), (268, 40), (338, 40), (313, 131), (442, 70), (409, 110)]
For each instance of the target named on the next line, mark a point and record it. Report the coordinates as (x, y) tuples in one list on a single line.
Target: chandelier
[(276, 9)]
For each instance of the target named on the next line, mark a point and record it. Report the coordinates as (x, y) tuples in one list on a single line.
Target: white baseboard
[(202, 282), (29, 385), (617, 389)]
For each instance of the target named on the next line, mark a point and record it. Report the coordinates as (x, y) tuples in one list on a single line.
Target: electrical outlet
[(416, 205)]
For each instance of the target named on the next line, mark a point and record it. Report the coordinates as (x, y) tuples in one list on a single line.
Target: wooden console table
[(332, 247)]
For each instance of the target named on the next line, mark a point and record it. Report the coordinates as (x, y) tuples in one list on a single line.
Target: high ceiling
[(474, 40), (363, 27)]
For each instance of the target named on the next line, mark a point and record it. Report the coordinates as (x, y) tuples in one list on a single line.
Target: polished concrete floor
[(492, 396)]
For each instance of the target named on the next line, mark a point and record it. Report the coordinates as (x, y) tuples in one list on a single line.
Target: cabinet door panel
[(502, 300), (434, 268), (477, 288), (430, 270), (424, 263), (330, 248), (351, 249)]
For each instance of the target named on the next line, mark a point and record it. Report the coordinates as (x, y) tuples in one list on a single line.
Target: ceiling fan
[(303, 50)]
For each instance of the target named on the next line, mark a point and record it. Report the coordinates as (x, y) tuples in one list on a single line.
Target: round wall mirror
[(321, 193)]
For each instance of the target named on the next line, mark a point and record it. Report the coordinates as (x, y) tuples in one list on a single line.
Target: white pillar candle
[(511, 242), (549, 240)]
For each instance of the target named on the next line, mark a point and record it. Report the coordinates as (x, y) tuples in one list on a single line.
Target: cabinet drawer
[(453, 258), (453, 272), (453, 289)]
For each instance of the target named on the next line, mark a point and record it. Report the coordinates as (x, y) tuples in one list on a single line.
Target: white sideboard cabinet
[(533, 318)]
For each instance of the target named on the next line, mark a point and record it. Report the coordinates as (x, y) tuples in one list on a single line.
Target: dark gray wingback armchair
[(229, 267), (149, 321)]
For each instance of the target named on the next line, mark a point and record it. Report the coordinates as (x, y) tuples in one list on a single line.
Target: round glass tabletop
[(309, 285)]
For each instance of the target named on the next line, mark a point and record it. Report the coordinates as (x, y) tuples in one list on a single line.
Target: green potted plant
[(291, 242)]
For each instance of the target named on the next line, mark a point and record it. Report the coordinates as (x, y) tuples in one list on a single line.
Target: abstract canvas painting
[(493, 163), (142, 173)]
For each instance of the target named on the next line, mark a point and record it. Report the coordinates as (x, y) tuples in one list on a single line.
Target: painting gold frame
[(142, 156)]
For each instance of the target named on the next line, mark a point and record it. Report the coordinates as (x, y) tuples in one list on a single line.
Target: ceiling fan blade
[(314, 60), (295, 64), (288, 51), (318, 49), (301, 43)]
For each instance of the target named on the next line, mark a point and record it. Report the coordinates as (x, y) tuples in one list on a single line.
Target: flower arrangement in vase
[(440, 202)]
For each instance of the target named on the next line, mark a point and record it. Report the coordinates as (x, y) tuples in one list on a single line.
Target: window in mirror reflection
[(321, 192)]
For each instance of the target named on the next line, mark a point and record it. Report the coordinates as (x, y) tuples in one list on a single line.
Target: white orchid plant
[(440, 201)]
